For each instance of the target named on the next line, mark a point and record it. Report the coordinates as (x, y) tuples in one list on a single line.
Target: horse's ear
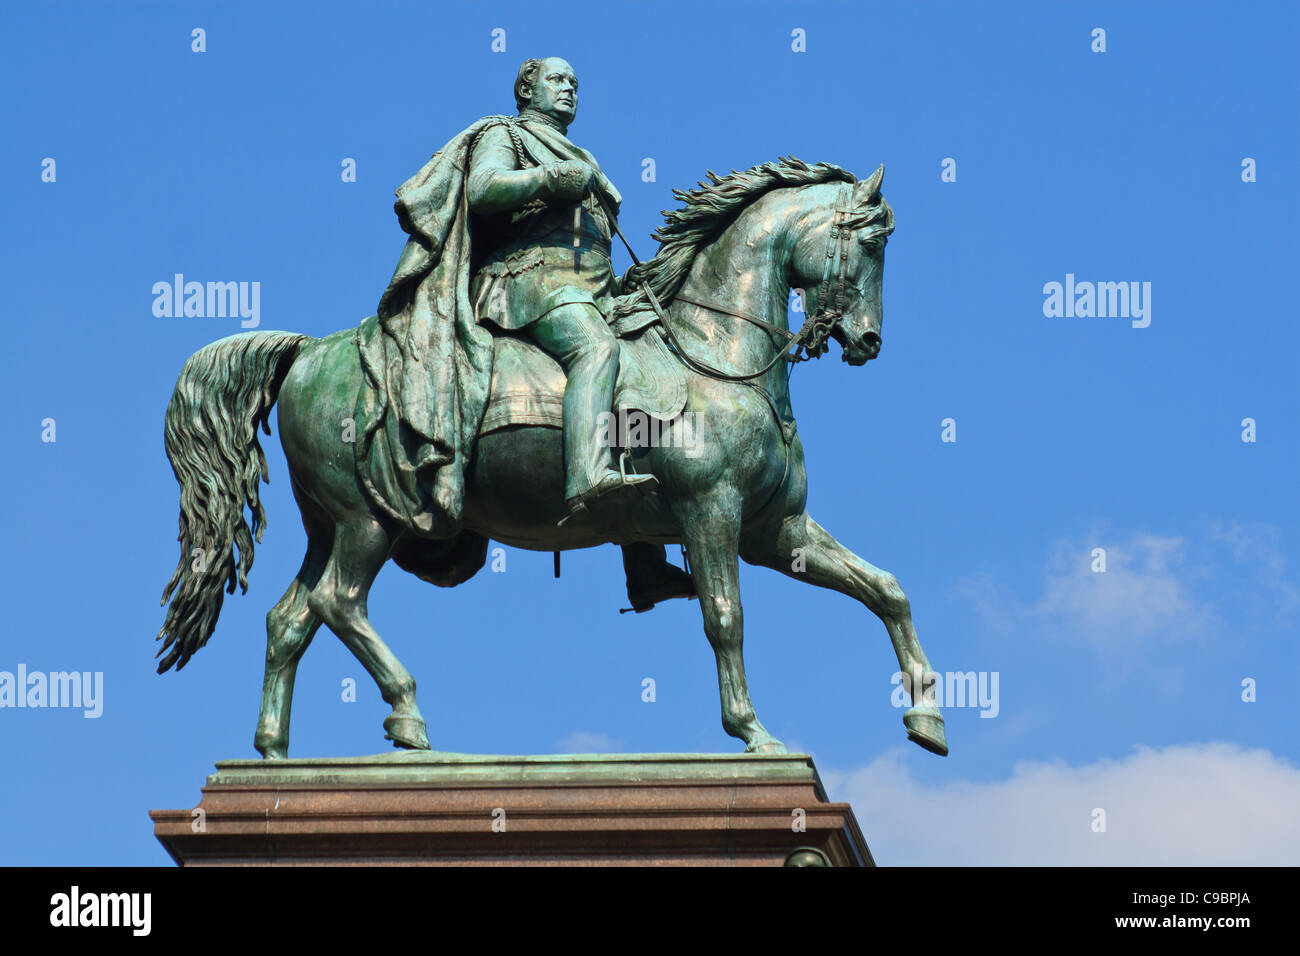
[(865, 191)]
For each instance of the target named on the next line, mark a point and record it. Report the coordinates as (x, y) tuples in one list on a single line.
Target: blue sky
[(1119, 690)]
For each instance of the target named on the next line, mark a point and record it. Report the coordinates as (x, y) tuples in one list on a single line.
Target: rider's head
[(548, 86)]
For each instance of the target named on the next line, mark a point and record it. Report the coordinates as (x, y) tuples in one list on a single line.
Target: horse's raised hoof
[(925, 727), (408, 733), (767, 747)]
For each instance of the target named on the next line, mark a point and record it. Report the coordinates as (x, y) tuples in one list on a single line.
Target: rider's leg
[(577, 335)]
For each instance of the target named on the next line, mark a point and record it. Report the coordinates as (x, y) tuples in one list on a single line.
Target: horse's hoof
[(768, 747), (406, 732), (272, 751), (925, 728)]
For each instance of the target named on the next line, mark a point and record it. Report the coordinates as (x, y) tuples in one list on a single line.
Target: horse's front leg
[(804, 550), (711, 531)]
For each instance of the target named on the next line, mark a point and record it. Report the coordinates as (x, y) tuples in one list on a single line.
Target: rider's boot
[(590, 478), (651, 579)]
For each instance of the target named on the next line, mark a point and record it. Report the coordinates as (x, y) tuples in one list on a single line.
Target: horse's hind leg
[(290, 626), (361, 546)]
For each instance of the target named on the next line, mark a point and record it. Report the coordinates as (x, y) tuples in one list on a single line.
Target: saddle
[(528, 384)]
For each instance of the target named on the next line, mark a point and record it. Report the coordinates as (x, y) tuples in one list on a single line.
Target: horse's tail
[(224, 392)]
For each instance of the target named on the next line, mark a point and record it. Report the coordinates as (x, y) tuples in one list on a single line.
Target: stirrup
[(623, 461)]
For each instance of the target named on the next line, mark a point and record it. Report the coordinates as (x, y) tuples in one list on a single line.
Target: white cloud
[(1154, 588), (584, 742), (1211, 804), (1147, 590)]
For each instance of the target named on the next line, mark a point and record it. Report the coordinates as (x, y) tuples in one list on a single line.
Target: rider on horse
[(540, 267)]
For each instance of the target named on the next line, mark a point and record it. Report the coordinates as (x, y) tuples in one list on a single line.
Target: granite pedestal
[(421, 808)]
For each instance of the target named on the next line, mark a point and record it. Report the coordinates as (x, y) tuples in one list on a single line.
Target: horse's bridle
[(811, 337)]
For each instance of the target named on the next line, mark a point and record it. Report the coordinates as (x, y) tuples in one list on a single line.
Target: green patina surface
[(416, 767), (430, 494)]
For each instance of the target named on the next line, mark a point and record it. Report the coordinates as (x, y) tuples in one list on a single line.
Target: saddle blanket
[(528, 384)]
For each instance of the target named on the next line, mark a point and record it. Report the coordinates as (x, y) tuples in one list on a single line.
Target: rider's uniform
[(531, 277)]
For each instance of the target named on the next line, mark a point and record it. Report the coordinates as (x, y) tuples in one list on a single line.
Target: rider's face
[(555, 92)]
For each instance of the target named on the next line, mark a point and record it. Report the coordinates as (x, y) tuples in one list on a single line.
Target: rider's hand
[(570, 179)]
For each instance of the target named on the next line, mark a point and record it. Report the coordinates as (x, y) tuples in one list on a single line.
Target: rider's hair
[(527, 78)]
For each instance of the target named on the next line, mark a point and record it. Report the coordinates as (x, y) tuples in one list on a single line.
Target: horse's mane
[(709, 209)]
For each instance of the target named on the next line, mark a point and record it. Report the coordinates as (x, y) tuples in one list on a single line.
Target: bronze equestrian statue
[(476, 405)]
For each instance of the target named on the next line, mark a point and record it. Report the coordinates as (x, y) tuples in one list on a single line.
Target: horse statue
[(725, 267)]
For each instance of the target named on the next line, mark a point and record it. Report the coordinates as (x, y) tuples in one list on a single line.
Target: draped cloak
[(426, 361)]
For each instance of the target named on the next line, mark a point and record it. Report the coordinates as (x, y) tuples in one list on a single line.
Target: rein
[(810, 339)]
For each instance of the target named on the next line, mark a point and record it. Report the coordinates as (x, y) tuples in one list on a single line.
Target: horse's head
[(840, 263)]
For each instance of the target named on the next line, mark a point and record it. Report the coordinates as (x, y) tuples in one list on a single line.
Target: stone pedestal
[(418, 808)]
